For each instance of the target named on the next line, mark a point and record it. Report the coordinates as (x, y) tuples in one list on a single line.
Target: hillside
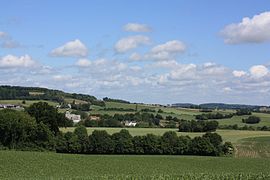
[(37, 93)]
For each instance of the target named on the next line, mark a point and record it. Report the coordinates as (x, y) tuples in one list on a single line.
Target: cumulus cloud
[(249, 30), (135, 56), (258, 71), (83, 63), (71, 49), (135, 27), (167, 50), (11, 61), (239, 73), (131, 42)]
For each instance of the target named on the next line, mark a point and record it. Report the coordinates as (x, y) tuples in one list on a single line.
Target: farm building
[(130, 123), (9, 106), (74, 117)]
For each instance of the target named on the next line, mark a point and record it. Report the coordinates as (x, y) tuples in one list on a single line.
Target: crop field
[(253, 147), (42, 165)]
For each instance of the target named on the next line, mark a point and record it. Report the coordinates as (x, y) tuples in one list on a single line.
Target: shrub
[(251, 120)]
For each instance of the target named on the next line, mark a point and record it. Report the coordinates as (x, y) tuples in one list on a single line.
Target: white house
[(74, 117), (130, 123)]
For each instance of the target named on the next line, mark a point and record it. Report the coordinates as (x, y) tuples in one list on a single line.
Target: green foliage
[(197, 126), (241, 112), (20, 131), (101, 143), (106, 99), (213, 116), (251, 120)]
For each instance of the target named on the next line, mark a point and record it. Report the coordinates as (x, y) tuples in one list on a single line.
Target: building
[(74, 117), (94, 118), (10, 106), (130, 123)]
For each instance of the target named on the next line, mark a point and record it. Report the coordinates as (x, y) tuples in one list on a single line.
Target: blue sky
[(142, 51)]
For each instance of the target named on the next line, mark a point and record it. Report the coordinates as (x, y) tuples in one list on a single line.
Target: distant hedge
[(197, 126)]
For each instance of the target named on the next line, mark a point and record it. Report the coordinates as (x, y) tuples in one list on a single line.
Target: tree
[(82, 135), (100, 142), (214, 139), (169, 142), (123, 142), (138, 144), (151, 144), (16, 128), (202, 146), (45, 113)]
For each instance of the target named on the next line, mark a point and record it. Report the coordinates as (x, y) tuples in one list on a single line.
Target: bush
[(251, 120)]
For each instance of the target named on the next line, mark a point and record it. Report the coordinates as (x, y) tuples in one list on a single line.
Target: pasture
[(27, 102), (42, 165)]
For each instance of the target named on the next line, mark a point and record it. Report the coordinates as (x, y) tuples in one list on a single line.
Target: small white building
[(74, 117), (10, 106), (130, 123)]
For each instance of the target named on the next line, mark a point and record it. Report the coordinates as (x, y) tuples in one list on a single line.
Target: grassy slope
[(254, 147), (27, 102), (19, 165)]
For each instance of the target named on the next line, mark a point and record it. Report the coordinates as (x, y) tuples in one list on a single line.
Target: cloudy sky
[(141, 51)]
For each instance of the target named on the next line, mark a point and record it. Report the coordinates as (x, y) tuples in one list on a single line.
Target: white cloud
[(174, 46), (258, 71), (71, 49), (83, 63), (250, 30), (239, 73), (167, 50), (11, 61), (61, 77), (135, 56), (135, 27), (131, 42)]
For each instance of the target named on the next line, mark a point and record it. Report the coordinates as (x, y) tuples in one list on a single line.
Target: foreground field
[(22, 165)]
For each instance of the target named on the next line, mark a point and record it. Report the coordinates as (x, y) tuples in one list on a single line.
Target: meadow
[(42, 165)]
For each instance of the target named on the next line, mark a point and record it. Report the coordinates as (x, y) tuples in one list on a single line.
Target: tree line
[(197, 126), (100, 142)]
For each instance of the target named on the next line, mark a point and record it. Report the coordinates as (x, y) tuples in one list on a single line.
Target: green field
[(27, 102), (254, 147), (35, 165), (265, 120)]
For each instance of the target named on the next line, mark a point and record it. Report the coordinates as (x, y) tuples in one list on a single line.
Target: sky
[(142, 51)]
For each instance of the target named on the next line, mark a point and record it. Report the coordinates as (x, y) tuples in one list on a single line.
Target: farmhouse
[(94, 118), (74, 117), (9, 106), (130, 123)]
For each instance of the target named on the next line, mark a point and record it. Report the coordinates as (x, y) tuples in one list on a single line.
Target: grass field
[(265, 120), (35, 165), (27, 102)]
